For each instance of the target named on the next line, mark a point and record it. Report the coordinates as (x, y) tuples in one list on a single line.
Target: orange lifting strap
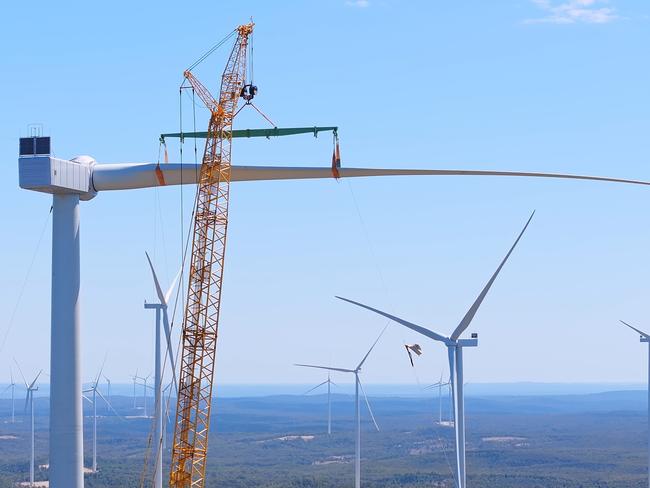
[(336, 157)]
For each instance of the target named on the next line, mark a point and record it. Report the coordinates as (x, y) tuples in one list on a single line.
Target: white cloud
[(574, 11), (358, 3)]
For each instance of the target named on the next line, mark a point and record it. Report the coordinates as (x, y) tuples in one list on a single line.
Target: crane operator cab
[(248, 92)]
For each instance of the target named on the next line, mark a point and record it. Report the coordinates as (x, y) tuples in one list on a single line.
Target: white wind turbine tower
[(29, 401), (455, 347), (81, 179), (135, 378), (439, 385), (357, 409), (645, 338), (145, 380), (161, 312), (94, 389), (12, 387), (329, 384)]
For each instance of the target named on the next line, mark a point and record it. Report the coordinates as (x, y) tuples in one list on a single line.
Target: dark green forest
[(566, 441)]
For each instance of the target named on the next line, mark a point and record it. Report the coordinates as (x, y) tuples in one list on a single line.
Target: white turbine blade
[(21, 374), (416, 328), (467, 319), (123, 176), (372, 416), (31, 385), (325, 367), (372, 347), (170, 349), (109, 404), (101, 370), (159, 292), (315, 387), (8, 386), (27, 397), (87, 399), (634, 328), (171, 287), (11, 375)]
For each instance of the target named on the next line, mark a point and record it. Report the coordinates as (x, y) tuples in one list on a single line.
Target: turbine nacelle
[(39, 171)]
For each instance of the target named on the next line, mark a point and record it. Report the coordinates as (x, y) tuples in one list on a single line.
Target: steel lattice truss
[(201, 320)]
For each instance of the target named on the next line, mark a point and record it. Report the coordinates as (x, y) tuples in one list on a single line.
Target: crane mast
[(201, 319)]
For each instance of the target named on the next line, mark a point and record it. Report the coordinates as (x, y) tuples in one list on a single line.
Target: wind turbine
[(108, 387), (135, 378), (94, 389), (29, 401), (81, 179), (166, 417), (12, 387), (645, 338), (439, 385), (145, 385), (357, 410), (161, 309), (455, 347), (329, 384)]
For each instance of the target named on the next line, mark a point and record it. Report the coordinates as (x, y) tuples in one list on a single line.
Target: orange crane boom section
[(201, 319)]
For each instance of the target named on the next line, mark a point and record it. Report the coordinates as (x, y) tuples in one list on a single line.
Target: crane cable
[(24, 284), (205, 55), (373, 255), (184, 248)]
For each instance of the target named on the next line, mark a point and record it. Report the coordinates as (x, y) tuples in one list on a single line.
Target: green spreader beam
[(268, 133)]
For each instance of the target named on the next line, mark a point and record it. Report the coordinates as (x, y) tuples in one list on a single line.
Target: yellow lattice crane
[(201, 319)]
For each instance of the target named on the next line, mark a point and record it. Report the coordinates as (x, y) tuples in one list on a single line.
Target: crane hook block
[(248, 92)]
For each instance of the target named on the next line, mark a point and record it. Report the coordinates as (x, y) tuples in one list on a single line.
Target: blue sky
[(517, 84)]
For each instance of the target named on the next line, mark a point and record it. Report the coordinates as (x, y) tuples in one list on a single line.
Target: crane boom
[(201, 319)]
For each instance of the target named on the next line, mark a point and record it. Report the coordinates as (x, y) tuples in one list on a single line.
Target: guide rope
[(25, 280)]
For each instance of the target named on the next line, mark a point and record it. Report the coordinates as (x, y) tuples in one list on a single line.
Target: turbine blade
[(325, 367), (109, 404), (87, 399), (21, 373), (11, 374), (372, 416), (315, 387), (31, 385), (159, 292), (467, 319), (416, 328), (26, 401), (373, 346), (101, 370), (123, 176), (170, 349), (634, 328), (171, 287)]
